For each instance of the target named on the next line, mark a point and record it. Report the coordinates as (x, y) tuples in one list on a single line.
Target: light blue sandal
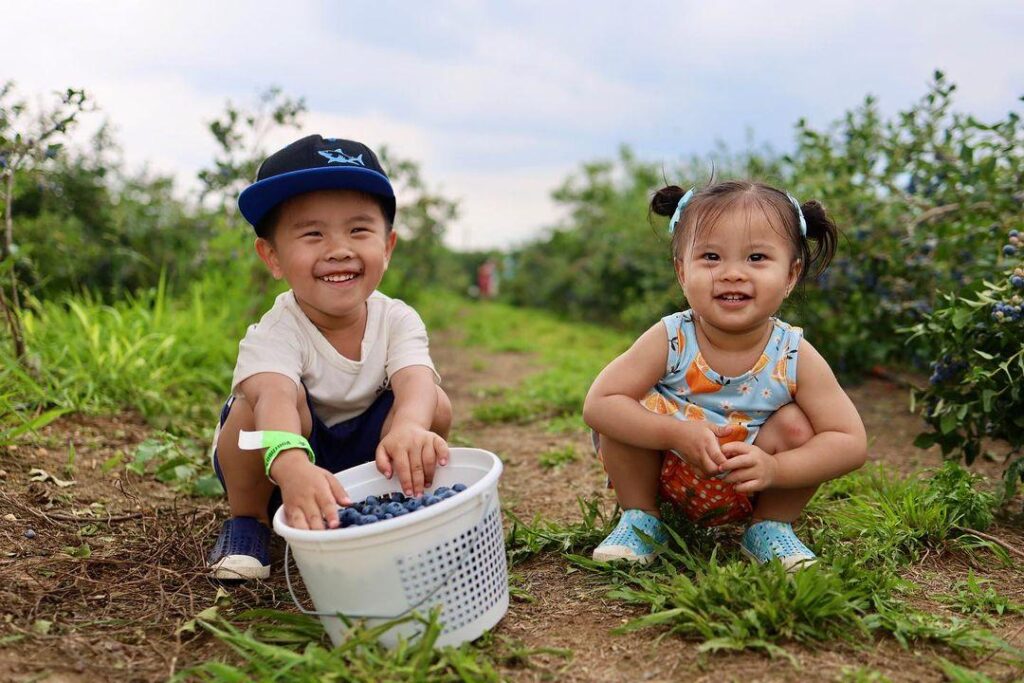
[(625, 544), (767, 540)]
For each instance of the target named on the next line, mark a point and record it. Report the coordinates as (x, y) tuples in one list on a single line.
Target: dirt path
[(115, 564)]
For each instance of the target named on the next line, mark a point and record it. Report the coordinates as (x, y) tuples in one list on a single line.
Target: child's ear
[(794, 275), (268, 255), (389, 247), (680, 277)]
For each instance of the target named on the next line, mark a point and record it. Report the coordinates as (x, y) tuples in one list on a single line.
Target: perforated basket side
[(478, 583)]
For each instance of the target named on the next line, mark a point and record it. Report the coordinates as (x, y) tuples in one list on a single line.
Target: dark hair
[(265, 228), (710, 203)]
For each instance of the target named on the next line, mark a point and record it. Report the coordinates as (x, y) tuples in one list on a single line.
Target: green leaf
[(925, 440), (948, 423), (960, 318), (986, 356)]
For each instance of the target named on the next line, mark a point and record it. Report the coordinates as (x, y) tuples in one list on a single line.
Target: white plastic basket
[(450, 554)]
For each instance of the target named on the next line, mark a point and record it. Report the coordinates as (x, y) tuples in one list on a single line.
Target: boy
[(335, 374)]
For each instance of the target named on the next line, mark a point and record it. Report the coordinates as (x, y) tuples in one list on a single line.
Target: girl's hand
[(309, 494), (698, 445), (749, 467), (413, 452)]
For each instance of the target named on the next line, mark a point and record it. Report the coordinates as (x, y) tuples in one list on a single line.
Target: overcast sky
[(499, 102)]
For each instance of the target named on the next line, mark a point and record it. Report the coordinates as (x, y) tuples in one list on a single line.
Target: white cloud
[(499, 102)]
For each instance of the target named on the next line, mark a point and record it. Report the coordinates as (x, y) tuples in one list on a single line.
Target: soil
[(116, 562)]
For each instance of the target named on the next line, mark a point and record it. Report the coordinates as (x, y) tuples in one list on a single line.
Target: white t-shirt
[(285, 341)]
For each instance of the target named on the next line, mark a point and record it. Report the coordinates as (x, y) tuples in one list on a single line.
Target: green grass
[(866, 528), (558, 457), (279, 646), (170, 357), (975, 597), (571, 355)]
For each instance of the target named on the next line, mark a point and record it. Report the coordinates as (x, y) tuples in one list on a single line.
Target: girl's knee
[(788, 428)]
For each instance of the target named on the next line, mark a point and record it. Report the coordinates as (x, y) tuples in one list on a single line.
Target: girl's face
[(736, 273)]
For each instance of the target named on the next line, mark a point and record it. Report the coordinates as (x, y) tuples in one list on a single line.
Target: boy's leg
[(788, 428), (246, 482)]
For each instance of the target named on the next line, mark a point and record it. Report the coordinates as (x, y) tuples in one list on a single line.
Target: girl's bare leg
[(634, 473), (787, 428)]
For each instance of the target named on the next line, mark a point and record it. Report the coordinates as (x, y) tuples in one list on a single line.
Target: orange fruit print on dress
[(697, 381)]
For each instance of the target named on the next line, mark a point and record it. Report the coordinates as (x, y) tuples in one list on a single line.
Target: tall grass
[(169, 358)]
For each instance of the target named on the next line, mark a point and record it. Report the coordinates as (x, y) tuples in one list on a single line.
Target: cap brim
[(256, 200)]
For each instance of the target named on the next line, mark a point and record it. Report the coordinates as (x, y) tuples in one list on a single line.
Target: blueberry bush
[(976, 388), (922, 198)]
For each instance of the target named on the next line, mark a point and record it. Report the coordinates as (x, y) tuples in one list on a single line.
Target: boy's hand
[(698, 444), (310, 494), (413, 453), (749, 467)]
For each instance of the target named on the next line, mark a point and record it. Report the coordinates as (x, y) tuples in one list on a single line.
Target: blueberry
[(1014, 233), (413, 504), (371, 501), (1017, 281), (1009, 250), (400, 511), (398, 497), (30, 534), (377, 510), (459, 488), (394, 508), (440, 490), (349, 516), (430, 500), (387, 515), (448, 493), (368, 519)]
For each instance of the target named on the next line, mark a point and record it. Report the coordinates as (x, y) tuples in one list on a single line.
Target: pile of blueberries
[(390, 505)]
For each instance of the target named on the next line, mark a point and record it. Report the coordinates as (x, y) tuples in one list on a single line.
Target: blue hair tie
[(683, 201), (799, 213)]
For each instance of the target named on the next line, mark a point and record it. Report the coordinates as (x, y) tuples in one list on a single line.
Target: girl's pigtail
[(665, 200), (822, 231)]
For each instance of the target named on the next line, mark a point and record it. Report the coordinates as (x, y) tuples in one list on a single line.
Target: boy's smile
[(332, 247)]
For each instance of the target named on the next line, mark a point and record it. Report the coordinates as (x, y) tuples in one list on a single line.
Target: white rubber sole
[(620, 553), (239, 567), (791, 563)]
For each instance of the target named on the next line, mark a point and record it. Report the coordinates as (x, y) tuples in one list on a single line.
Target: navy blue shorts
[(339, 447)]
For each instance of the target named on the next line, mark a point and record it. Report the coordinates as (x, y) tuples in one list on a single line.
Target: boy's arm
[(839, 444), (409, 449), (613, 408), (309, 493)]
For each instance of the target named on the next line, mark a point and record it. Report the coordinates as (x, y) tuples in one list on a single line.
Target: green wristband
[(274, 442)]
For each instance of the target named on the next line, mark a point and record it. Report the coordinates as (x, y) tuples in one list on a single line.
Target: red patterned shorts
[(703, 500)]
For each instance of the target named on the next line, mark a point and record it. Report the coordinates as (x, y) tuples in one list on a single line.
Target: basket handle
[(458, 565)]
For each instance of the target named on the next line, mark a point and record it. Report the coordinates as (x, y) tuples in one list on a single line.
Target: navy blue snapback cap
[(316, 163)]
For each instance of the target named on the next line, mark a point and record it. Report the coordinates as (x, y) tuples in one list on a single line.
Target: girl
[(724, 409)]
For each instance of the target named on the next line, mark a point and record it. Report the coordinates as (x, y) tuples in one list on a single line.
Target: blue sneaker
[(242, 550), (767, 540), (625, 544)]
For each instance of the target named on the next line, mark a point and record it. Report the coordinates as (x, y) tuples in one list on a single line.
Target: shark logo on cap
[(337, 156)]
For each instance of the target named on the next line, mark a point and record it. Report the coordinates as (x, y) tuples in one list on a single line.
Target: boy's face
[(332, 247)]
